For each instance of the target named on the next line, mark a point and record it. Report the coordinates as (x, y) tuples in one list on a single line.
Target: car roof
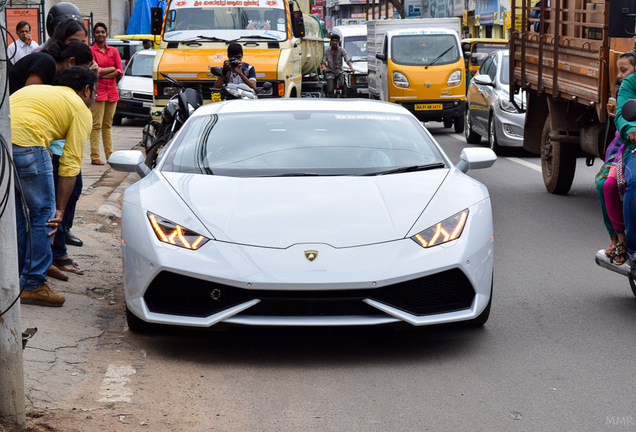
[(351, 30), (419, 30), (111, 41), (300, 104), (147, 52), (472, 40)]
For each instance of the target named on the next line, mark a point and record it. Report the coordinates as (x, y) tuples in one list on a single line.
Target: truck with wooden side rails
[(563, 54), (279, 38)]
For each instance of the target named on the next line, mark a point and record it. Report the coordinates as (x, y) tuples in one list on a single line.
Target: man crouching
[(41, 114)]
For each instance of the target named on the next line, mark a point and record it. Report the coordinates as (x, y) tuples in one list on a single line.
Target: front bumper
[(509, 128), (450, 108), (393, 282), (133, 108)]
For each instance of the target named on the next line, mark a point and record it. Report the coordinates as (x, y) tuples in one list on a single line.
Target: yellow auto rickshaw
[(479, 49)]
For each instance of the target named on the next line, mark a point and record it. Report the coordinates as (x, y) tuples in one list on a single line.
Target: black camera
[(234, 61)]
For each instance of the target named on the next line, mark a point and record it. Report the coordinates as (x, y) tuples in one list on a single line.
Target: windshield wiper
[(439, 56), (405, 169), (204, 38), (260, 37)]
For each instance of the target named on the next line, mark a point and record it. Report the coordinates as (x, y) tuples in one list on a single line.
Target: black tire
[(448, 122), (492, 137), (471, 136), (483, 317), (137, 325), (558, 162), (632, 285), (117, 120), (458, 123), (151, 156)]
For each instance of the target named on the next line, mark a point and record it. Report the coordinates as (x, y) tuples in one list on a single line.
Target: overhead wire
[(8, 170)]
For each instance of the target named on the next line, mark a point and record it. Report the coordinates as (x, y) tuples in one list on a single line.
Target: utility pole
[(12, 405)]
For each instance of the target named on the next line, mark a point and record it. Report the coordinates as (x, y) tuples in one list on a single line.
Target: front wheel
[(117, 120), (471, 136), (632, 285), (558, 162), (448, 122), (151, 156), (458, 123), (492, 137)]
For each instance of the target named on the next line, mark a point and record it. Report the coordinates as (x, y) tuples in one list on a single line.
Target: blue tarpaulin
[(140, 19)]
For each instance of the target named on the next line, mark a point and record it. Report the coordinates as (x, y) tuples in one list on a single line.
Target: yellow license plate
[(428, 107)]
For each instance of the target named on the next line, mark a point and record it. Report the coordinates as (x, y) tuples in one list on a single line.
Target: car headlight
[(448, 230), (399, 80), (174, 234), (362, 79), (507, 106), (170, 91), (454, 79), (125, 94)]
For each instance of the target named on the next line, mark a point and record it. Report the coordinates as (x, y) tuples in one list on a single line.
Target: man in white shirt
[(24, 45)]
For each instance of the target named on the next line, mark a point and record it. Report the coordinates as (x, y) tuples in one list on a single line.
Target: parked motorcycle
[(230, 91), (178, 109)]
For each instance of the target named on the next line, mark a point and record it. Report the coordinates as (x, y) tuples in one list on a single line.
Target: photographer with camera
[(235, 70)]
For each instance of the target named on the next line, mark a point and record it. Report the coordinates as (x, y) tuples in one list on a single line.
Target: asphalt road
[(556, 355)]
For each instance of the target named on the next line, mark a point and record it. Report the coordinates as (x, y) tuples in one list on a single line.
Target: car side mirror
[(474, 158), (629, 110), (382, 57), (129, 161), (483, 80), (216, 71), (467, 54)]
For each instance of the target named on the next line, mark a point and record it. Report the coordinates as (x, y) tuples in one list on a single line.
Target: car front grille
[(142, 96), (173, 294)]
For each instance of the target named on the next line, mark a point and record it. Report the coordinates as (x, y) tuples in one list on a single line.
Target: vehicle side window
[(484, 69), (492, 71)]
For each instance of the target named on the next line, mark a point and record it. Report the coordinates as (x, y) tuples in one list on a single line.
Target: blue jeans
[(59, 242), (35, 171)]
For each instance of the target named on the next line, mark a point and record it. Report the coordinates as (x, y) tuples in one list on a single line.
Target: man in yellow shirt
[(41, 114)]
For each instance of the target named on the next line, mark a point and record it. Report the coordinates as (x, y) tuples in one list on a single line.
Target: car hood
[(360, 66), (282, 211), (135, 84)]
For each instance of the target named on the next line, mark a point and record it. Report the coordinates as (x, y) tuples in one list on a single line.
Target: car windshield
[(356, 46), (420, 50), (505, 70), (482, 49), (141, 66), (301, 143), (271, 20)]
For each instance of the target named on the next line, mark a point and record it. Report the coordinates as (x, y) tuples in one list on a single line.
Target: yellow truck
[(284, 44), (418, 63), (563, 55)]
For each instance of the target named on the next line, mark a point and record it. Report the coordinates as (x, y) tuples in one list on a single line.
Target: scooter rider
[(332, 62), (235, 70)]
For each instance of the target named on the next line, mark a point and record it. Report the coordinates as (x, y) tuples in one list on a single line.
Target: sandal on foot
[(611, 249), (621, 254), (68, 265)]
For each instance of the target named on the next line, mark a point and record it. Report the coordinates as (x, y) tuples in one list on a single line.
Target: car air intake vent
[(175, 294), (438, 293), (173, 44), (273, 45)]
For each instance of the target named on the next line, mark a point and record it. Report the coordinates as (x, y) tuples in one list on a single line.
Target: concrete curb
[(111, 208)]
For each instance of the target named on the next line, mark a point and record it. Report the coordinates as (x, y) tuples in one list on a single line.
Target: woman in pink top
[(109, 62)]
